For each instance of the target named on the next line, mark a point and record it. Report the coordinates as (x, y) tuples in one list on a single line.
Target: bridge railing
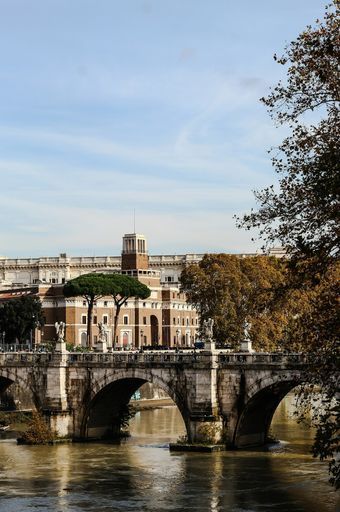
[(221, 358), (198, 356), (262, 357), (27, 357), (161, 357)]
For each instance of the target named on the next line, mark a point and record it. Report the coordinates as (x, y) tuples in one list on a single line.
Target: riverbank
[(151, 403)]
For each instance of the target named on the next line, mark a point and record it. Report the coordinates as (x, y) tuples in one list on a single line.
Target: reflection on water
[(141, 475)]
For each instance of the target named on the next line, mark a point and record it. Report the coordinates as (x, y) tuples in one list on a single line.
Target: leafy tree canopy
[(18, 317), (122, 287), (232, 290), (89, 286), (304, 213)]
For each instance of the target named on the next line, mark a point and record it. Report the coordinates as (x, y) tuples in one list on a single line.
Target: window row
[(185, 321), (104, 319)]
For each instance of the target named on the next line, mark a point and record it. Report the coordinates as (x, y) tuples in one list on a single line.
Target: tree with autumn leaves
[(303, 213), (233, 290), (296, 305)]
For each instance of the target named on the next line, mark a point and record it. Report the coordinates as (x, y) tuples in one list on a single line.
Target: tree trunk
[(118, 304), (115, 324), (89, 323)]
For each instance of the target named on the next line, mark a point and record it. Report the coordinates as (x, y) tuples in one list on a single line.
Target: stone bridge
[(233, 396)]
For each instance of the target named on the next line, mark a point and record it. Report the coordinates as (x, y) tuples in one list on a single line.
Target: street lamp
[(141, 339)]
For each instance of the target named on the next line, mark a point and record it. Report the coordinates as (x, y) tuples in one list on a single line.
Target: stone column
[(204, 423), (55, 407)]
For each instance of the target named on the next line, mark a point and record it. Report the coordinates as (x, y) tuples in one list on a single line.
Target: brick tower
[(134, 254)]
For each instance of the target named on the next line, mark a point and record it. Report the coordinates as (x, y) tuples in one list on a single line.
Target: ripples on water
[(142, 475)]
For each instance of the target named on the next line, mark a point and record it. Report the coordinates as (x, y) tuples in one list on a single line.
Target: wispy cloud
[(114, 106), (183, 156)]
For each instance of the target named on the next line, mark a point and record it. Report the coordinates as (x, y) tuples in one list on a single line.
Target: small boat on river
[(3, 428)]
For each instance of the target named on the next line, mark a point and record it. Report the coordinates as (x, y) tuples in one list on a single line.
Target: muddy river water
[(140, 474)]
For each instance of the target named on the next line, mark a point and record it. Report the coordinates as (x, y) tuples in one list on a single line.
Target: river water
[(140, 474)]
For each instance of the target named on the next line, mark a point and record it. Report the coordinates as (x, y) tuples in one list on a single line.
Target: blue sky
[(108, 106)]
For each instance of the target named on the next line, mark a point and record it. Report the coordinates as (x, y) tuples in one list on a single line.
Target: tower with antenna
[(134, 254)]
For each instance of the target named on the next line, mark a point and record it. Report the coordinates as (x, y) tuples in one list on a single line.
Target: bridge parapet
[(261, 358), (207, 359)]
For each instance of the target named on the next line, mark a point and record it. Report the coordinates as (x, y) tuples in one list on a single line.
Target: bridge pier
[(205, 430), (60, 422), (204, 423), (55, 407)]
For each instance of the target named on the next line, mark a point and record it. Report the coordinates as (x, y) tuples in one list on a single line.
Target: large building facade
[(19, 272), (165, 318)]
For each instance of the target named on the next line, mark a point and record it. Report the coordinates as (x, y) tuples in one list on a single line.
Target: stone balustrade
[(220, 358)]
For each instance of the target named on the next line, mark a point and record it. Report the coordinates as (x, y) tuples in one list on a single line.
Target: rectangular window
[(105, 319), (84, 303), (174, 321), (83, 319), (105, 303), (95, 319), (126, 320), (144, 320)]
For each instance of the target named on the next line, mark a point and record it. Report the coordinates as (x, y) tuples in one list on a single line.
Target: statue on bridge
[(246, 343), (60, 330), (207, 329), (102, 332), (246, 329)]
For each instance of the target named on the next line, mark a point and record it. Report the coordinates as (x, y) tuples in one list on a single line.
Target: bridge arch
[(261, 402), (20, 386), (110, 394)]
